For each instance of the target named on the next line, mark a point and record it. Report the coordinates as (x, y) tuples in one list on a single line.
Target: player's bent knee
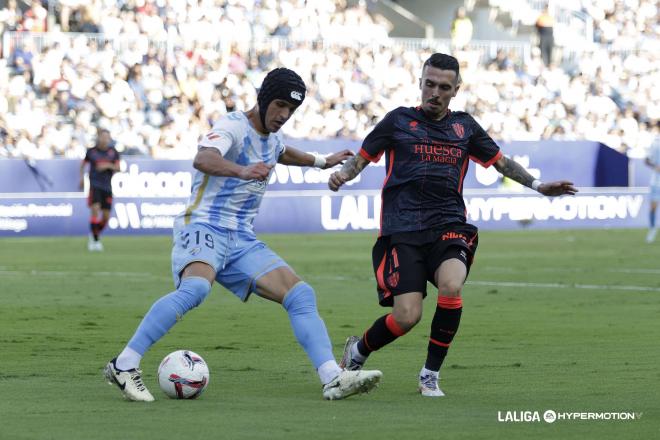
[(410, 321), (194, 290), (300, 299), (450, 288), (407, 318)]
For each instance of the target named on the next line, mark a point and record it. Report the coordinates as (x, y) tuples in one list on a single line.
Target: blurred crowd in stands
[(157, 73)]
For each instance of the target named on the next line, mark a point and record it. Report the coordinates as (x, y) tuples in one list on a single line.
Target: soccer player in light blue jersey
[(653, 160), (214, 240)]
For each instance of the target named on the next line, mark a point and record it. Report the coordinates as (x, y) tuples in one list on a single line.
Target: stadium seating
[(157, 74)]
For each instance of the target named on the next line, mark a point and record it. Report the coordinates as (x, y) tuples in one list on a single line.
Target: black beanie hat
[(280, 83)]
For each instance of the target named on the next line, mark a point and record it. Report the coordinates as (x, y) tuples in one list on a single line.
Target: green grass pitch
[(568, 321)]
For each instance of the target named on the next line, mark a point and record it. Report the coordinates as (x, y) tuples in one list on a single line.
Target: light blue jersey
[(229, 202), (654, 156), (216, 227)]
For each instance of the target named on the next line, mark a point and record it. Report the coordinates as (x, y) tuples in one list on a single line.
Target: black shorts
[(97, 195), (404, 262)]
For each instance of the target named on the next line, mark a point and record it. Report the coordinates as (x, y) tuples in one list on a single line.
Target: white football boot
[(348, 383), (347, 361), (129, 382), (99, 246), (91, 244), (428, 384)]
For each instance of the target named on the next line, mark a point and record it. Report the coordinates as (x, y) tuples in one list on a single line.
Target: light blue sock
[(167, 310), (308, 327)]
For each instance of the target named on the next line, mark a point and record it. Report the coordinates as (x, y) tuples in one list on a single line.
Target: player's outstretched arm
[(293, 156), (513, 170), (351, 168), (210, 161)]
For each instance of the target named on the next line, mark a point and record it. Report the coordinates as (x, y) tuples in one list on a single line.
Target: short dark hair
[(444, 62)]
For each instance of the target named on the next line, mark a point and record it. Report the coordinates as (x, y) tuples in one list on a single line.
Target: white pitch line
[(563, 286), (342, 278), (646, 271), (78, 273), (516, 284), (572, 269)]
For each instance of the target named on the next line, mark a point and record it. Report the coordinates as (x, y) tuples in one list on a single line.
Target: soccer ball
[(183, 374)]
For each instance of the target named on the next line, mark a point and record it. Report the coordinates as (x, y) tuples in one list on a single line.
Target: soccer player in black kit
[(424, 235), (103, 162)]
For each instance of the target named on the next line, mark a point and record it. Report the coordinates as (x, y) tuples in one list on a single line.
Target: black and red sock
[(443, 329), (383, 331), (95, 227), (102, 224)]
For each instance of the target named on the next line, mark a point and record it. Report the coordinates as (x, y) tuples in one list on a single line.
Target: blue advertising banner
[(43, 198), (312, 211)]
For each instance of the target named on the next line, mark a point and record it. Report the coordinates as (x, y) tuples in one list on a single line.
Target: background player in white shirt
[(653, 160), (214, 240)]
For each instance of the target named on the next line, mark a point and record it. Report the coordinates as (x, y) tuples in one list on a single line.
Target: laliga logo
[(296, 95)]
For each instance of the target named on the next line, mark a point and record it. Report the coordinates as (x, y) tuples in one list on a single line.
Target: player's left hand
[(337, 158), (559, 188)]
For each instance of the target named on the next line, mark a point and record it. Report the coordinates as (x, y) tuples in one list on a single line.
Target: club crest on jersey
[(296, 95), (413, 125), (458, 129)]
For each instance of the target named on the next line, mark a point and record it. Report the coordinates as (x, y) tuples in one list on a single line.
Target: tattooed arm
[(351, 168), (513, 170)]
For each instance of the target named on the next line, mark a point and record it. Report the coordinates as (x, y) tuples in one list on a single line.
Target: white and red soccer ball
[(183, 374)]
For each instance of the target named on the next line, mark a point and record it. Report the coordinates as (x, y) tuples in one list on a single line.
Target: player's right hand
[(258, 171), (336, 180)]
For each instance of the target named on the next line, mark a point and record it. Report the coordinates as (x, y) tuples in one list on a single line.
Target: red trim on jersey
[(369, 157), (490, 162), (450, 302), (392, 326), (462, 176), (389, 173), (441, 344)]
